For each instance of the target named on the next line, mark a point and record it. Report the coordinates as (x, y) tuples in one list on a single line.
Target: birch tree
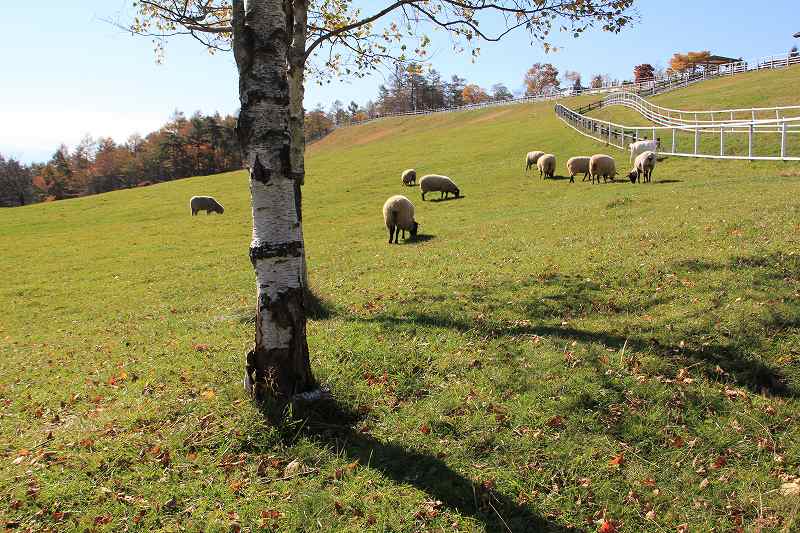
[(277, 44)]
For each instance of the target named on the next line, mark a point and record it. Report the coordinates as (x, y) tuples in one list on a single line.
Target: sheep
[(409, 177), (531, 158), (398, 214), (643, 167), (602, 165), (638, 147), (547, 166), (576, 165), (434, 182), (205, 203)]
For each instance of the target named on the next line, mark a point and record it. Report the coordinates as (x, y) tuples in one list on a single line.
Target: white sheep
[(205, 203), (638, 147), (409, 177), (531, 158), (643, 167), (547, 166), (398, 214), (577, 165), (435, 182), (602, 165)]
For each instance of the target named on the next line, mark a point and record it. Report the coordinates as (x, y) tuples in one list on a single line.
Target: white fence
[(774, 139), (666, 116), (646, 88)]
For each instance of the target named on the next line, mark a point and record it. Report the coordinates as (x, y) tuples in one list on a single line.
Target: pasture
[(545, 357)]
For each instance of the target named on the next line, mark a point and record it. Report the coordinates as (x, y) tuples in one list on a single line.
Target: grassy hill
[(767, 88), (547, 356)]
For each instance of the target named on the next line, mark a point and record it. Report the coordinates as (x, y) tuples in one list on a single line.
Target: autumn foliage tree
[(643, 72), (541, 78), (689, 61), (275, 43), (474, 94)]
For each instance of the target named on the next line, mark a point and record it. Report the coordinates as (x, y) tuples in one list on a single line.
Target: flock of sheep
[(643, 156), (398, 211)]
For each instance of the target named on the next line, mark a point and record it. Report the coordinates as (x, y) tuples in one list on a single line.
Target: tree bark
[(278, 366), (297, 65)]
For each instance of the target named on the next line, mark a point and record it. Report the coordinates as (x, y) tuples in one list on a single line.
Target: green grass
[(486, 375)]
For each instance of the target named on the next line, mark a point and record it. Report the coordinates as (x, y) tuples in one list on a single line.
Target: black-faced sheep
[(398, 215), (602, 165), (643, 167), (434, 182), (531, 158), (205, 203), (409, 177), (547, 166), (578, 165)]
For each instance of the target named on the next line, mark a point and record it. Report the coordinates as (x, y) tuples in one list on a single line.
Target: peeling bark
[(278, 366)]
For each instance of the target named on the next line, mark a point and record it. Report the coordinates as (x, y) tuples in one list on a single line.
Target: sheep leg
[(423, 196), (391, 234)]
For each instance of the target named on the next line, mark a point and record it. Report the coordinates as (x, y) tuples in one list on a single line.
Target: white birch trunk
[(278, 365)]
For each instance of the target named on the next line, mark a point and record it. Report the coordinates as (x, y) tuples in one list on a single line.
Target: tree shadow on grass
[(693, 338), (657, 182), (478, 499)]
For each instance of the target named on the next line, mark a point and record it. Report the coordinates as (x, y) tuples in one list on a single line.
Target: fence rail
[(769, 140), (645, 88)]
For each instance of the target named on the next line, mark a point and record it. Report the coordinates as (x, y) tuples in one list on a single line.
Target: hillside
[(546, 356), (768, 88)]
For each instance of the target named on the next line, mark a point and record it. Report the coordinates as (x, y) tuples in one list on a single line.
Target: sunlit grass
[(549, 354)]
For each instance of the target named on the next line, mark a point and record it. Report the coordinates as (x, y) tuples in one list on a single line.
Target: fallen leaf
[(555, 422), (719, 462), (790, 489), (651, 515), (704, 483), (617, 460), (292, 468), (608, 526), (208, 394), (425, 429)]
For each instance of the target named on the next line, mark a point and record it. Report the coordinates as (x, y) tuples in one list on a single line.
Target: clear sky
[(67, 72)]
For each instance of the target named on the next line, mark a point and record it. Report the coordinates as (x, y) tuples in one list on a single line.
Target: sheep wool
[(409, 177), (547, 166), (639, 147), (578, 165), (398, 215), (602, 165), (643, 167), (531, 158), (205, 203), (435, 182)]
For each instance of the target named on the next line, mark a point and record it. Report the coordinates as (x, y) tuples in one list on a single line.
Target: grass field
[(546, 357)]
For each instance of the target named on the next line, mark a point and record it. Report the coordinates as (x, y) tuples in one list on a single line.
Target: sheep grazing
[(398, 215), (409, 177), (638, 147), (643, 167), (531, 158), (602, 165), (205, 203), (577, 165), (547, 166), (434, 182)]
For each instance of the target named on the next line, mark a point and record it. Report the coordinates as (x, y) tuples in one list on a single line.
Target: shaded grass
[(484, 376)]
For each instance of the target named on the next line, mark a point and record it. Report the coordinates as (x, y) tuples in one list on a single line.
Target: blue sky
[(68, 73)]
